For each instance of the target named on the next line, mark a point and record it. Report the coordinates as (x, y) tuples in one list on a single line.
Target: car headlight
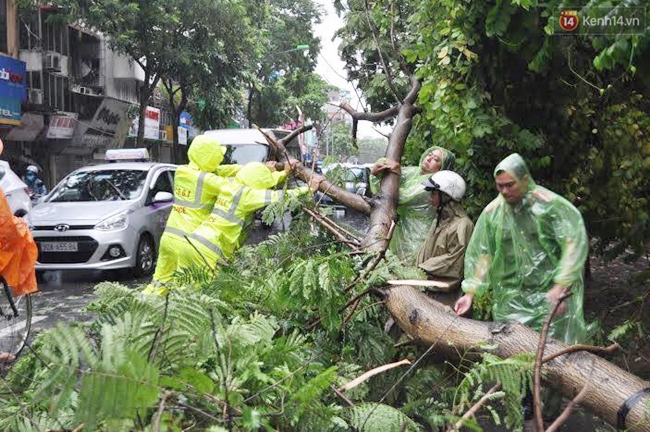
[(117, 222)]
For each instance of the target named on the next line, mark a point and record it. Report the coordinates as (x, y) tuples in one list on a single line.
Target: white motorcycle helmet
[(32, 168), (448, 182)]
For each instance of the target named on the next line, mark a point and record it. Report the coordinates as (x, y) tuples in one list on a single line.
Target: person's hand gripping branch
[(389, 165)]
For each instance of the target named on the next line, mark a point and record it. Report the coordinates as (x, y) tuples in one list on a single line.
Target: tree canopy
[(498, 78), (283, 76)]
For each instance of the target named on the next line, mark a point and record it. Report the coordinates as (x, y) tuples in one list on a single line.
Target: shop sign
[(62, 126), (12, 89), (30, 127), (151, 124), (103, 129)]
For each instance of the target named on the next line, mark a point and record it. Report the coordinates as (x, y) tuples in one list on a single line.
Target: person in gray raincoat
[(414, 211), (442, 254), (529, 244)]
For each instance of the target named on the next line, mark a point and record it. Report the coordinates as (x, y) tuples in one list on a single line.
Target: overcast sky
[(330, 65)]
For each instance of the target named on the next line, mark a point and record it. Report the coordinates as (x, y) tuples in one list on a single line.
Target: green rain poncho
[(415, 214), (518, 252)]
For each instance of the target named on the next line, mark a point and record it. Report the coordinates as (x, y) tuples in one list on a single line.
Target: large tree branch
[(610, 389), (372, 117)]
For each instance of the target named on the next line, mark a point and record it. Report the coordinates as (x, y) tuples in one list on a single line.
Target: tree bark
[(610, 386), (385, 211)]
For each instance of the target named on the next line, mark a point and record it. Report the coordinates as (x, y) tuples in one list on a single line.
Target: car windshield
[(241, 154), (104, 185)]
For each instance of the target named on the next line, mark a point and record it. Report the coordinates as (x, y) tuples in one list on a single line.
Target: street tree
[(213, 53), (496, 78), (286, 61), (159, 37)]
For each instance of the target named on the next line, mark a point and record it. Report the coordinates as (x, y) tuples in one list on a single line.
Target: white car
[(15, 190), (104, 217)]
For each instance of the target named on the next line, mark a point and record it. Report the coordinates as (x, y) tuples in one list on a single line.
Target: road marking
[(19, 325)]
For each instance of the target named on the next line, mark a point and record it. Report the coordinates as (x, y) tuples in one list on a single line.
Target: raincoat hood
[(256, 175), (448, 158), (205, 153), (516, 167)]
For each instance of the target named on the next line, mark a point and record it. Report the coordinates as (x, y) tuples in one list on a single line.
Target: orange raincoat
[(18, 252)]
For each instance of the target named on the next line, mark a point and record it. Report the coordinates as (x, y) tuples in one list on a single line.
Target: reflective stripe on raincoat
[(195, 190), (223, 231), (519, 251)]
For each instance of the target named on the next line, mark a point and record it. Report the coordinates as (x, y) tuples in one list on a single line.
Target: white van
[(249, 145)]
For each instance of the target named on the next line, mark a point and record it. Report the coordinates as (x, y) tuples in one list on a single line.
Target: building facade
[(78, 96)]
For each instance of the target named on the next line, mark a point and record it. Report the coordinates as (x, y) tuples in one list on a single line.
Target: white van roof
[(243, 136)]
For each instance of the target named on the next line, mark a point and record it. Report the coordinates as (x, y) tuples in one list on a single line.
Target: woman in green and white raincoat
[(415, 214)]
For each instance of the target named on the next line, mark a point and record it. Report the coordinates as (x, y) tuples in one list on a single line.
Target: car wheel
[(144, 257)]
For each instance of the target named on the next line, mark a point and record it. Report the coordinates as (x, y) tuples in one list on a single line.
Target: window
[(56, 36), (163, 184), (34, 79), (57, 92), (29, 32), (105, 185), (243, 153)]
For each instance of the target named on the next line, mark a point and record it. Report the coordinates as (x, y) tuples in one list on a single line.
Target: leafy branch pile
[(233, 352)]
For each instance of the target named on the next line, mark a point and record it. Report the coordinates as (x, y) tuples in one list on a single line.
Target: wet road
[(64, 294)]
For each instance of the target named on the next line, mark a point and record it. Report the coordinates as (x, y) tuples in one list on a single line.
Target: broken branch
[(372, 372), (575, 401), (537, 371), (474, 408)]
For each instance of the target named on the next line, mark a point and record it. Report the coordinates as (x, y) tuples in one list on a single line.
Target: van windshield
[(241, 154)]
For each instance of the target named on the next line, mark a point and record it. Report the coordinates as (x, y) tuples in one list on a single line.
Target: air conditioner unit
[(35, 96), (83, 90), (162, 135), (53, 62)]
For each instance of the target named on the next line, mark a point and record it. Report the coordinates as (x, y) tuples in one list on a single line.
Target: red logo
[(569, 20)]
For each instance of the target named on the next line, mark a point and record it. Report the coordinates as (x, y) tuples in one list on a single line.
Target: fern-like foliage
[(371, 417), (515, 376)]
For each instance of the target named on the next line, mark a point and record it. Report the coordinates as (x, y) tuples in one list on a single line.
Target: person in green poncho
[(415, 214), (529, 244)]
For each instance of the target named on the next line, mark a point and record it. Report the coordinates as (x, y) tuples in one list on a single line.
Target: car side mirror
[(161, 197)]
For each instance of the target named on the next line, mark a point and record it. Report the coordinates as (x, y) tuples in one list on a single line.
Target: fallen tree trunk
[(610, 389)]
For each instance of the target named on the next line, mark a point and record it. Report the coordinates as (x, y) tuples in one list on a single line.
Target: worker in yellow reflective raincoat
[(223, 231), (196, 186), (414, 211), (529, 244)]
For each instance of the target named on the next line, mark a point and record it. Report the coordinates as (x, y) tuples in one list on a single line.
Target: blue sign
[(185, 120), (13, 89), (12, 78), (10, 111)]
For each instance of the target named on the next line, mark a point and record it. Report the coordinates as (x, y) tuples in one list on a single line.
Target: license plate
[(59, 247)]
